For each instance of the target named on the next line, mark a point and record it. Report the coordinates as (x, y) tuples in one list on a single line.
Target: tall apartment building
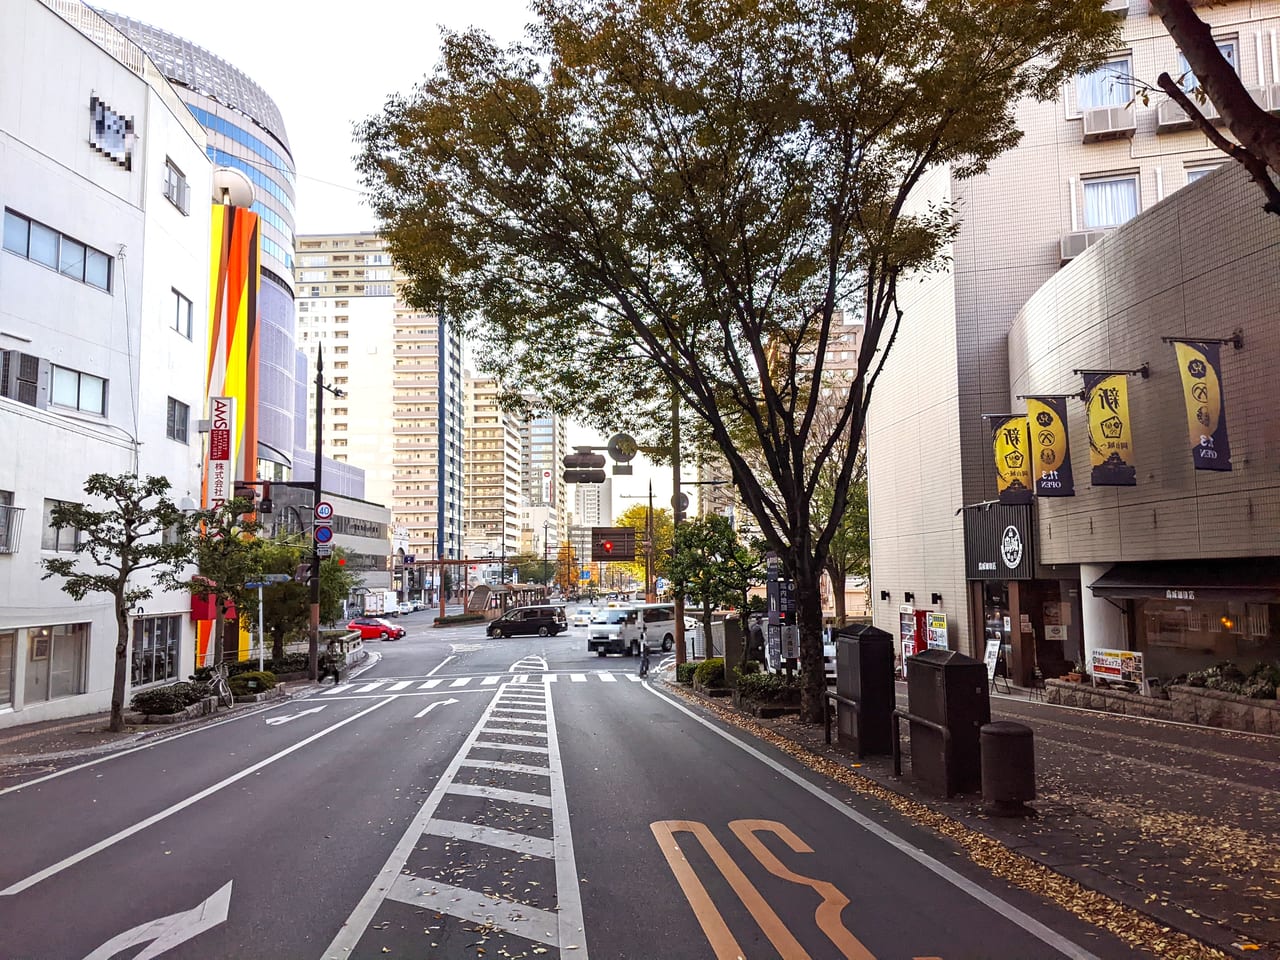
[(245, 130), (1089, 161), (402, 417), (104, 279), (491, 468), (593, 503), (543, 446)]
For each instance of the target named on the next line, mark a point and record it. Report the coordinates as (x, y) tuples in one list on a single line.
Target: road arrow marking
[(167, 932), (276, 721), (431, 706)]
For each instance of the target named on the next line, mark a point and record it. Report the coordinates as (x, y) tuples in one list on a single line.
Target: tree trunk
[(813, 679), (838, 580), (706, 626), (277, 643), (122, 668), (219, 629)]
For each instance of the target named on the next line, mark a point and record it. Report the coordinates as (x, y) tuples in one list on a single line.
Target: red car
[(375, 628)]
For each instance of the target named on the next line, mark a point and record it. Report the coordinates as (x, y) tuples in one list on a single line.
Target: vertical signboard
[(1199, 365), (221, 461), (1013, 465), (1110, 430), (546, 486), (937, 631), (1050, 448)]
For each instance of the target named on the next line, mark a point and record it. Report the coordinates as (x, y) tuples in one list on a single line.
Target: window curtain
[(1109, 203), (1107, 86)]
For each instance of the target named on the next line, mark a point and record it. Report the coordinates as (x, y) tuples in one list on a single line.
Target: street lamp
[(313, 652), (546, 582)]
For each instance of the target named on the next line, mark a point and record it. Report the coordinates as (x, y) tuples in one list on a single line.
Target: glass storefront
[(56, 659), (1181, 635), (155, 649), (8, 644)]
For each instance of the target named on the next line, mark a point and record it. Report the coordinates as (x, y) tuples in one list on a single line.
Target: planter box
[(275, 693), (712, 691), (1215, 708), (198, 709), (1112, 700), (762, 709)]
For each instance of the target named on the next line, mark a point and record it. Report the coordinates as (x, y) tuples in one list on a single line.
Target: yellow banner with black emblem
[(1012, 458), (1200, 367), (1110, 430), (1050, 449)]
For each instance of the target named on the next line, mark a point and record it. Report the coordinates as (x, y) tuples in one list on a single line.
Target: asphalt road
[(468, 797)]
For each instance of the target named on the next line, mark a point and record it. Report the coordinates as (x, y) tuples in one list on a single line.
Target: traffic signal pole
[(313, 643), (677, 515)]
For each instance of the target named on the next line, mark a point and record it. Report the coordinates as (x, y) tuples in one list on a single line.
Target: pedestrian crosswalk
[(401, 685)]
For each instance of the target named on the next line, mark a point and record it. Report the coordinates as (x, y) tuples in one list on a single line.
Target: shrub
[(747, 668), (1260, 683), (455, 618), (710, 672), (684, 671), (262, 680), (171, 698), (768, 688), (290, 663)]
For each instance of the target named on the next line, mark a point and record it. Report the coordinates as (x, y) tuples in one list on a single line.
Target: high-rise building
[(1089, 161), (543, 445), (593, 503), (104, 280), (245, 131), (492, 469), (402, 416)]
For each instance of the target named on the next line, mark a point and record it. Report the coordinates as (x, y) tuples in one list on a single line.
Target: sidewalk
[(1179, 824)]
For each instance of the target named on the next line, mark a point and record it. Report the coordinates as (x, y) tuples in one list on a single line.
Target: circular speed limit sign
[(324, 510)]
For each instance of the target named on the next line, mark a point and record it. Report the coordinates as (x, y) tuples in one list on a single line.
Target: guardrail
[(932, 725)]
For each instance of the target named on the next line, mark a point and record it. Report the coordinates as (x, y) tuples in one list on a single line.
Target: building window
[(79, 391), (56, 661), (33, 240), (182, 314), (1195, 173), (10, 523), (176, 190), (1187, 78), (176, 421), (1110, 201), (59, 539), (1109, 85), (155, 649)]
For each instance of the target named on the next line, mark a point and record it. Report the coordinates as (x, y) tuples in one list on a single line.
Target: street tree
[(1256, 130), (644, 196), (286, 607), (137, 529), (228, 554), (637, 517), (337, 582), (713, 567)]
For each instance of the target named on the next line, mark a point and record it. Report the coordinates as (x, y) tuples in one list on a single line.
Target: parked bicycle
[(218, 683)]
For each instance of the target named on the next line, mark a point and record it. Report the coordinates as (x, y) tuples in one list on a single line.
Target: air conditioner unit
[(1170, 116), (1078, 241), (24, 378), (1108, 123), (1116, 6), (1270, 99)]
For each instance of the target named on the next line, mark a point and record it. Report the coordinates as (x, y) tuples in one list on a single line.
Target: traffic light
[(606, 547), (613, 543), (584, 467)]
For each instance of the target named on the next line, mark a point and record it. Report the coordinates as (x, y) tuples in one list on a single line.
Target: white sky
[(328, 65)]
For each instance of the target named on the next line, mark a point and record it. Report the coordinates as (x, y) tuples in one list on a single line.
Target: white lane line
[(490, 681), (399, 686), (431, 706), (518, 747), (519, 919), (492, 837), (370, 686), (516, 733), (498, 793), (578, 677), (337, 689), (569, 921), (169, 811), (983, 896), (432, 673), (461, 682), (430, 684), (507, 767), (606, 677)]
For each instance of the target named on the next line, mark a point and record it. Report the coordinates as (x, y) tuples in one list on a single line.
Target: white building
[(103, 311), (492, 470)]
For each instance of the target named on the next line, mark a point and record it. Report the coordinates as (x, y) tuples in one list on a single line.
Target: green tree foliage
[(124, 537), (646, 195), (713, 567), (228, 554), (528, 568)]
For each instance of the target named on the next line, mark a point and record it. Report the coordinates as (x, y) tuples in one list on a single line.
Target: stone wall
[(1089, 697), (1198, 705)]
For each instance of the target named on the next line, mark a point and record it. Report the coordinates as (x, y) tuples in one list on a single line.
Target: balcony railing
[(10, 528)]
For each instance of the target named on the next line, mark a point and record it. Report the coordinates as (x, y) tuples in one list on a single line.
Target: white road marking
[(431, 706), (461, 682), (432, 673), (516, 733), (399, 686), (492, 837), (519, 720), (429, 684), (276, 721), (985, 897), (490, 681), (578, 677), (167, 932), (520, 678), (524, 921), (169, 811), (549, 678), (337, 689), (606, 677), (531, 662), (569, 921), (633, 678), (498, 793), (528, 713), (508, 767), (518, 747), (370, 686)]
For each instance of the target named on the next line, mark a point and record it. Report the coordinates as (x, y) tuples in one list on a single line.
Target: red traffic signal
[(606, 546)]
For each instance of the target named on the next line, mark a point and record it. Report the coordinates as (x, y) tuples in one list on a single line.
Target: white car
[(581, 616), (405, 607)]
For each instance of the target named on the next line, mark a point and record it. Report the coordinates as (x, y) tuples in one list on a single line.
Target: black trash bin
[(950, 690), (864, 674), (1008, 768)]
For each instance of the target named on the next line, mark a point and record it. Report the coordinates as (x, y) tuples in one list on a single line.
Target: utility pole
[(650, 589), (313, 646), (677, 515)]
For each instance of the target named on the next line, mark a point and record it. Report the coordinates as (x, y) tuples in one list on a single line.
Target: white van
[(654, 625)]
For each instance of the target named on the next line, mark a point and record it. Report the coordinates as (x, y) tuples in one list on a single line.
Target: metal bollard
[(1008, 768)]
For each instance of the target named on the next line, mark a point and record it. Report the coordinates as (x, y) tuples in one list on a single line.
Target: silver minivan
[(654, 625)]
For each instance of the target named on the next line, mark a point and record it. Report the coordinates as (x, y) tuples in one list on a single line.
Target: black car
[(543, 621)]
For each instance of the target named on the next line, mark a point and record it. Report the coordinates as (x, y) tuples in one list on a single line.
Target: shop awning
[(1247, 580)]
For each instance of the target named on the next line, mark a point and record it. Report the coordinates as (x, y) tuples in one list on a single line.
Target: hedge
[(455, 618), (171, 698), (710, 672), (684, 671), (768, 688), (262, 680)]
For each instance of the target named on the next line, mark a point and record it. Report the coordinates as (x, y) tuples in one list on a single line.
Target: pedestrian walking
[(331, 663)]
